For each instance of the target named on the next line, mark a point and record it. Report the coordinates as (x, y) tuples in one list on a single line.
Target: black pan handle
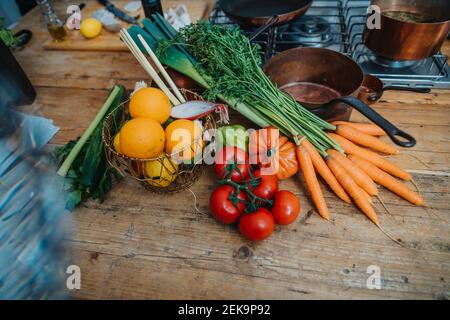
[(393, 132), (397, 88), (272, 20), (376, 96)]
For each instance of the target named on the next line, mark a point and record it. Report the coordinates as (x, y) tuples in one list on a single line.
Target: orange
[(142, 138), (183, 137), (116, 143), (150, 103)]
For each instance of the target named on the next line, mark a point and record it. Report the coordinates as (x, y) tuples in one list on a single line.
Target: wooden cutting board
[(108, 41)]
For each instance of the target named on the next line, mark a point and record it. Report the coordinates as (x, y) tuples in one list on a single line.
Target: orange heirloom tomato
[(273, 151)]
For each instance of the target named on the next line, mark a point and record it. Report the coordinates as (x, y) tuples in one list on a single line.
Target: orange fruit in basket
[(183, 138), (142, 138), (150, 103), (116, 143)]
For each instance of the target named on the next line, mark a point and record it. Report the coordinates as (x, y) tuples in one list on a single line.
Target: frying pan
[(264, 13), (372, 89), (327, 82)]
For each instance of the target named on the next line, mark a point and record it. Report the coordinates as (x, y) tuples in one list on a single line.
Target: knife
[(117, 12)]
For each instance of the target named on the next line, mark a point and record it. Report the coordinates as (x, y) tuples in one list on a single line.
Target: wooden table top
[(141, 245)]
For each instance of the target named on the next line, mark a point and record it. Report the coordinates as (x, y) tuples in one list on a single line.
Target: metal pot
[(410, 29), (372, 89), (327, 83)]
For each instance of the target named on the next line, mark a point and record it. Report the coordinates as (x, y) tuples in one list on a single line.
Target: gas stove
[(338, 25)]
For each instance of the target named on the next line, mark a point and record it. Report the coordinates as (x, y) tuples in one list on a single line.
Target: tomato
[(286, 207), (267, 187), (257, 225), (222, 207), (232, 155)]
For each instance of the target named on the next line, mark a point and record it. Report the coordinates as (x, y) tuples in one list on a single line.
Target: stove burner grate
[(311, 31), (338, 25), (395, 64)]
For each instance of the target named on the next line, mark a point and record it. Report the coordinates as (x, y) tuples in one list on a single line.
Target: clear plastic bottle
[(54, 24)]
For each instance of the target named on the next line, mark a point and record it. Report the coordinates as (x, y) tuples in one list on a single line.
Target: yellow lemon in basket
[(150, 103), (161, 172), (90, 28), (183, 139), (116, 143), (141, 138)]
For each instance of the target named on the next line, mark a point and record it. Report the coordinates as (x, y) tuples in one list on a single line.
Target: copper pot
[(410, 29), (372, 89)]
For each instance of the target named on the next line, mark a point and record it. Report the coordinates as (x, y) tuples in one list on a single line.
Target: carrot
[(353, 190), (365, 140), (350, 148), (366, 195), (367, 128), (358, 175), (325, 172), (311, 182), (387, 181), (357, 194)]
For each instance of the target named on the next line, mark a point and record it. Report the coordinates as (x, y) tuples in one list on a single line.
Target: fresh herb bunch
[(231, 66), (6, 35), (83, 162)]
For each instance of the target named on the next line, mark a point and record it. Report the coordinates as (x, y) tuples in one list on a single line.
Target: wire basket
[(161, 174)]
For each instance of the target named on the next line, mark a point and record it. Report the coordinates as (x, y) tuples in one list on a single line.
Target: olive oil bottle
[(54, 25)]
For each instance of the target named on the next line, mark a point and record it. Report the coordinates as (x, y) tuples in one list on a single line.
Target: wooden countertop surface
[(140, 245)]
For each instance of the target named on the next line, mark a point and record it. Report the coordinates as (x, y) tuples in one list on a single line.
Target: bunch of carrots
[(353, 176)]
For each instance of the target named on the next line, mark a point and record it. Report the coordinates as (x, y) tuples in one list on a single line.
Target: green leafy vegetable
[(6, 35), (83, 162)]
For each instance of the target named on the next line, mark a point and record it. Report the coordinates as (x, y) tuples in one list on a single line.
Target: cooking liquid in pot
[(411, 17), (310, 93)]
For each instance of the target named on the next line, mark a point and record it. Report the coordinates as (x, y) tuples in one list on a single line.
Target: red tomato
[(267, 187), (286, 207), (232, 155), (222, 207), (257, 225)]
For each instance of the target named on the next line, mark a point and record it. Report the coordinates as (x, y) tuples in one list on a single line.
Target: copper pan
[(372, 89), (327, 83), (400, 39)]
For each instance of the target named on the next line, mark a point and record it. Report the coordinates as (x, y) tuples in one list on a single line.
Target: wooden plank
[(108, 41)]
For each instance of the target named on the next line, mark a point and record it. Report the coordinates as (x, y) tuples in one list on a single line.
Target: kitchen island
[(139, 244)]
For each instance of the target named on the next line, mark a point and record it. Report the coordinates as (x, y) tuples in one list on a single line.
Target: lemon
[(90, 28), (160, 172)]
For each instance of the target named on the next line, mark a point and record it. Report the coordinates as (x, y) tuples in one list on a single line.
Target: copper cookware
[(372, 89), (327, 83), (410, 29)]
